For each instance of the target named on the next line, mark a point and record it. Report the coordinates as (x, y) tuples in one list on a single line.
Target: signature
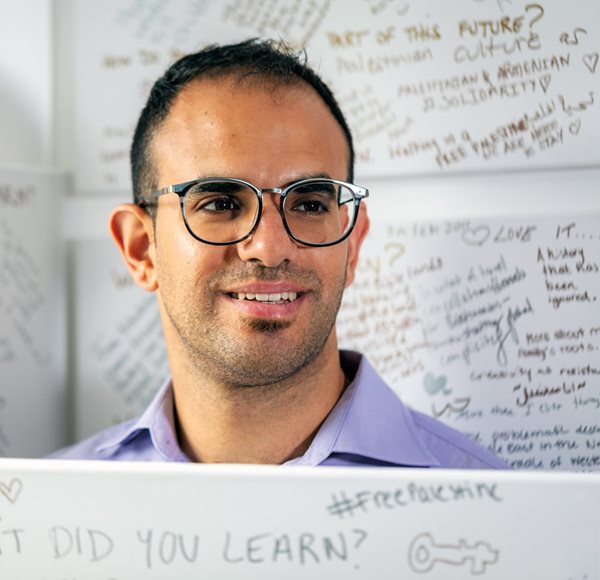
[(512, 316)]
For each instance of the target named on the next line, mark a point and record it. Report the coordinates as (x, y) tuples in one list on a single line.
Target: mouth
[(268, 301), (266, 298)]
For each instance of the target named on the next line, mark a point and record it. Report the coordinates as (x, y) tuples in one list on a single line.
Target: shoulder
[(450, 447), (150, 437), (102, 445), (402, 436)]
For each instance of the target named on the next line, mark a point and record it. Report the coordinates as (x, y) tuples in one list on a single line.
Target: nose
[(270, 244)]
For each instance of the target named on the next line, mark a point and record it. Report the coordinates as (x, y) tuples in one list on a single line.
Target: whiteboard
[(105, 520), (26, 82), (427, 87), (33, 326), (490, 325), (120, 358)]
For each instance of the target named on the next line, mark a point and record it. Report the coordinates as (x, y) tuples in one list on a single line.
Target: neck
[(259, 424)]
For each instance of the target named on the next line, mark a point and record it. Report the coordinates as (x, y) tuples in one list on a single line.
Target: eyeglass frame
[(181, 189)]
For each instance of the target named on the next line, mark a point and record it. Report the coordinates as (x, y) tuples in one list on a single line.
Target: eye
[(219, 198), (312, 198), (217, 204), (310, 206)]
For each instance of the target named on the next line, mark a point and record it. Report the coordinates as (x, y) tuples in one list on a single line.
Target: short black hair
[(261, 59)]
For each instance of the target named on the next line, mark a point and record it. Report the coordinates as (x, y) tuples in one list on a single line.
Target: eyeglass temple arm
[(152, 197), (360, 193)]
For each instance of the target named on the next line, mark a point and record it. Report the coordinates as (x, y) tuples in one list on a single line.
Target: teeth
[(275, 297)]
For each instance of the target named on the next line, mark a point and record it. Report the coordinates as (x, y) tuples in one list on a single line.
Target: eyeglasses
[(222, 211)]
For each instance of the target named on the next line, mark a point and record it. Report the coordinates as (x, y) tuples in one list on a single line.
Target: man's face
[(269, 136)]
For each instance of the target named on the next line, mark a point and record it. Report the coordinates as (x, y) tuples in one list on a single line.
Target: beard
[(223, 350)]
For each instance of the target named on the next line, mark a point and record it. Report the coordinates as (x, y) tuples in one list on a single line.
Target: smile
[(271, 298)]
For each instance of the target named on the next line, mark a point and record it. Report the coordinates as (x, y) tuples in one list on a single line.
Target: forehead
[(251, 129)]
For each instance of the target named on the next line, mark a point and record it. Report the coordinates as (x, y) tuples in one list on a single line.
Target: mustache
[(247, 272)]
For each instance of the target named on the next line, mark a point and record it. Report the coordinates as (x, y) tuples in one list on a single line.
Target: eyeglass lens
[(315, 213)]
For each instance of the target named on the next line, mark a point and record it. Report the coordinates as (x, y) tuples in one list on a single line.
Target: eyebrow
[(302, 177), (308, 176)]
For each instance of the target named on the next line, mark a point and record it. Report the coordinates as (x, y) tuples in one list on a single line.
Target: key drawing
[(424, 553)]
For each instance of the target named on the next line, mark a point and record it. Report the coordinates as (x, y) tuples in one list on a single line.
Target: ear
[(355, 242), (133, 231)]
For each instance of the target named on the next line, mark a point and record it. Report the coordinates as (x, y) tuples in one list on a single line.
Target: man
[(247, 227)]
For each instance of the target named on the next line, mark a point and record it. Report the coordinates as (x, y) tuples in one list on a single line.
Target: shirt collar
[(370, 421)]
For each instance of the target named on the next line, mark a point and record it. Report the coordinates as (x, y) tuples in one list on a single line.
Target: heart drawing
[(433, 385), (591, 61), (12, 490), (476, 236), (575, 126), (545, 82)]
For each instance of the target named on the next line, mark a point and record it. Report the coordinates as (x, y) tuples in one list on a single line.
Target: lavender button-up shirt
[(369, 426)]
